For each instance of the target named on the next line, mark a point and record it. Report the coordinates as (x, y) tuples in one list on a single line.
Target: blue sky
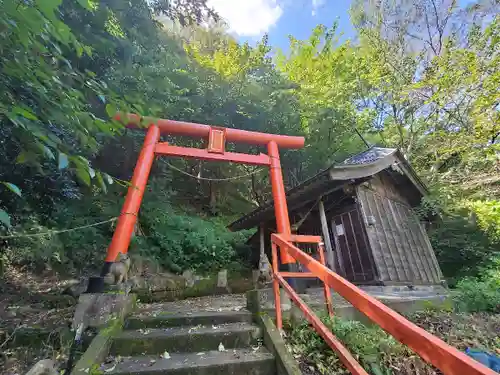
[(248, 20)]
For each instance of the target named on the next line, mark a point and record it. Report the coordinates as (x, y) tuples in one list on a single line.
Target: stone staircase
[(190, 343)]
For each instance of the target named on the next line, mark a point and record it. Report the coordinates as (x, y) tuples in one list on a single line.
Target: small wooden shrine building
[(363, 208)]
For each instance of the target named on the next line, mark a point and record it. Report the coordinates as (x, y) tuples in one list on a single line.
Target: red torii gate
[(217, 138), (433, 350)]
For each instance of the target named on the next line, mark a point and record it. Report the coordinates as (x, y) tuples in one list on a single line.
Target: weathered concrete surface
[(164, 281), (95, 353), (165, 319), (185, 339), (263, 300), (231, 362), (43, 367), (229, 302), (114, 308), (399, 291), (285, 363), (97, 310)]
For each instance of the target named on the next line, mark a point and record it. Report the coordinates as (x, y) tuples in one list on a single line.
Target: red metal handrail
[(347, 359), (432, 349)]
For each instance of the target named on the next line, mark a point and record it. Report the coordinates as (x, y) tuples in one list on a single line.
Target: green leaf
[(101, 183), (25, 113), (25, 156), (5, 218), (85, 4), (83, 175), (48, 7), (91, 172), (111, 110), (88, 50), (62, 161), (48, 152), (108, 178), (54, 138), (13, 188), (79, 49)]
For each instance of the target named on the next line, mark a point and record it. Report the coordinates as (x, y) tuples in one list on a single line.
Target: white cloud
[(248, 17), (316, 4)]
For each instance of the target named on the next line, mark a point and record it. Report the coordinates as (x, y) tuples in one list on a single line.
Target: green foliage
[(325, 76), (487, 217), (475, 295), (465, 238), (185, 241), (369, 344), (178, 238), (69, 251)]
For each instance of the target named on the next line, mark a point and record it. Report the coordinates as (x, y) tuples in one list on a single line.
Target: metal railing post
[(276, 287), (326, 288)]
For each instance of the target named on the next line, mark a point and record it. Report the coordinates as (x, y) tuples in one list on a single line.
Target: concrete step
[(166, 319), (230, 362), (185, 339)]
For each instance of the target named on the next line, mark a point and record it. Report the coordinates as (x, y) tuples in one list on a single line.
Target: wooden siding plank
[(433, 277), (409, 240), (395, 233), (346, 248), (403, 237), (378, 256), (338, 252), (389, 240), (391, 271), (355, 241), (368, 242), (418, 250), (369, 264), (399, 238), (432, 256)]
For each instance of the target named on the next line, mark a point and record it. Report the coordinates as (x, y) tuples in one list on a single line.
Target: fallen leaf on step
[(165, 355), (221, 348)]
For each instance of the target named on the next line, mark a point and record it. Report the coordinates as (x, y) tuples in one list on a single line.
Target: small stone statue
[(118, 272)]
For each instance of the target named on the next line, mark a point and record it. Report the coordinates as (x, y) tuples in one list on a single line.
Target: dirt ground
[(34, 316)]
